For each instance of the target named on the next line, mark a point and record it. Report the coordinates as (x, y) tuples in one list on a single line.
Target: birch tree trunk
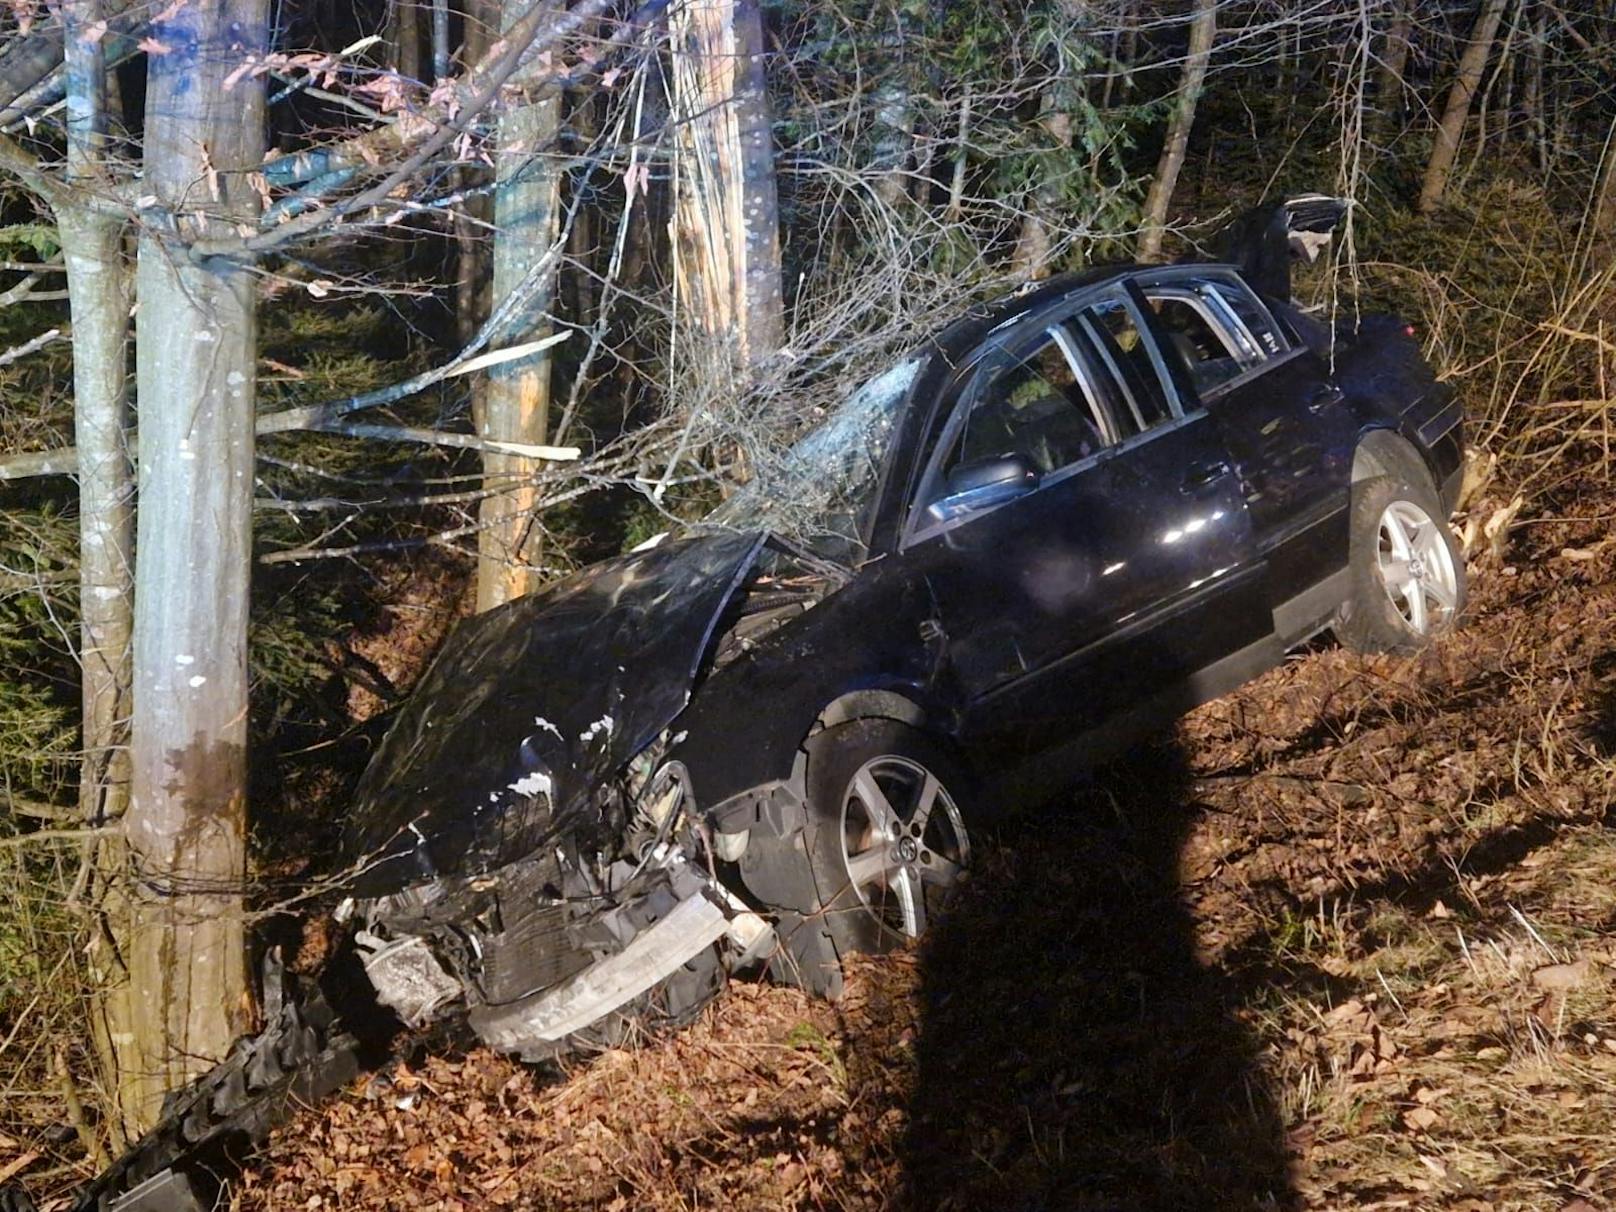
[(1157, 202), (195, 369), (727, 214), (98, 295), (1450, 129), (516, 398)]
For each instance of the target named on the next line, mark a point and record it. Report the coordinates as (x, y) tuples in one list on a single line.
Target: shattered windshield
[(824, 486)]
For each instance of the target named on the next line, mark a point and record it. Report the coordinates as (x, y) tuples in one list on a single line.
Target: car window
[(1252, 314), (1033, 405), (1214, 327), (1125, 352), (1206, 350)]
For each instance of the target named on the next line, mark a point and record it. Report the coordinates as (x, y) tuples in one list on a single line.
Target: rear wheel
[(886, 831), (1406, 572)]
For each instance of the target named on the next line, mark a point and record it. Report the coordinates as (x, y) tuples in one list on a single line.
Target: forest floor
[(1346, 940)]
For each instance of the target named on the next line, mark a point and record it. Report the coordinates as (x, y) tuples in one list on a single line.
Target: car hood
[(531, 706)]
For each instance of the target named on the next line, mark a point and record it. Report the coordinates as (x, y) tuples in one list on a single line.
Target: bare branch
[(27, 347)]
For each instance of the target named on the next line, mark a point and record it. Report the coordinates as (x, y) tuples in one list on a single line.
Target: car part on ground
[(302, 1055)]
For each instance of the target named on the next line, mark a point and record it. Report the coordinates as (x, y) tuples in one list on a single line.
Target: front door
[(1084, 539)]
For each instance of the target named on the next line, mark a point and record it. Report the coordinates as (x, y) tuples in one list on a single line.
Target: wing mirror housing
[(982, 484)]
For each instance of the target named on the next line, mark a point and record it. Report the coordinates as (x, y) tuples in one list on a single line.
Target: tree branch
[(426, 133)]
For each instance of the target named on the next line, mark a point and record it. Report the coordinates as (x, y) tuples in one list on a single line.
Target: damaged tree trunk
[(1157, 202), (98, 295), (1449, 131), (197, 332), (726, 215), (516, 398)]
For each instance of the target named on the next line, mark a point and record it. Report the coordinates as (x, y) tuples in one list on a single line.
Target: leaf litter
[(1345, 940)]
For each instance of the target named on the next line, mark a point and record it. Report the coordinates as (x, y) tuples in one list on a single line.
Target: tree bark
[(195, 371), (727, 237), (1450, 129), (1389, 86), (1202, 29), (98, 293), (516, 397)]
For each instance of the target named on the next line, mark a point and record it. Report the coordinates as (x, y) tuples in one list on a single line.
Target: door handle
[(1324, 395), (1201, 474)]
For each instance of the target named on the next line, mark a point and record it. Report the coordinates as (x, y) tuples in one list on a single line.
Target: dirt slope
[(1346, 941)]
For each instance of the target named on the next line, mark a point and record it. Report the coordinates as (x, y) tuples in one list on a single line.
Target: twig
[(27, 347), (59, 835)]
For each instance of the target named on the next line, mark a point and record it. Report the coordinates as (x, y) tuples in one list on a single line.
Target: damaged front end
[(531, 858), (596, 931)]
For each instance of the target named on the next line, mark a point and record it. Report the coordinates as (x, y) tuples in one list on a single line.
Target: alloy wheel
[(903, 842), (1416, 568)]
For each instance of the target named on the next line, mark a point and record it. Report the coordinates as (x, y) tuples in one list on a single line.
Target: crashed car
[(764, 744), (1069, 518)]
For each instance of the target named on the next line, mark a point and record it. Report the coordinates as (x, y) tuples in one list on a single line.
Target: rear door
[(1125, 568), (1287, 427)]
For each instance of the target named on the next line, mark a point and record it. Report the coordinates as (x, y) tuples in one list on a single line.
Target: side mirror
[(982, 484)]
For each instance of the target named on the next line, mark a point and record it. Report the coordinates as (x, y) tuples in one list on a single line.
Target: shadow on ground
[(1072, 1051)]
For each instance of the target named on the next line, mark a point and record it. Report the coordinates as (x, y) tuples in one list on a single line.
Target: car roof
[(963, 335)]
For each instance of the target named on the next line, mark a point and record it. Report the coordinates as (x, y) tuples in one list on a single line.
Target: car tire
[(1406, 573), (881, 875)]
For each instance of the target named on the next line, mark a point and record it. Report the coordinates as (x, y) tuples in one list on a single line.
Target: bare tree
[(99, 292), (1449, 131), (1203, 27), (515, 403), (196, 369)]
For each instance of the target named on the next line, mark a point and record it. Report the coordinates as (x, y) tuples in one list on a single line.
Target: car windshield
[(823, 487)]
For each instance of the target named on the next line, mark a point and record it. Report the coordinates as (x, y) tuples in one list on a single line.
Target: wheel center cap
[(1416, 568), (907, 851)]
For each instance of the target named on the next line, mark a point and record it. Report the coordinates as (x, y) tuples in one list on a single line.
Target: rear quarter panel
[(1381, 370)]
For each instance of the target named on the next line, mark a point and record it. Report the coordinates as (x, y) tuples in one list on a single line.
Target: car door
[(1112, 561), (1287, 427)]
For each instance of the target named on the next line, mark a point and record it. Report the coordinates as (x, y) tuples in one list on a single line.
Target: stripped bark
[(727, 221), (516, 397), (197, 334), (1153, 224), (1449, 131)]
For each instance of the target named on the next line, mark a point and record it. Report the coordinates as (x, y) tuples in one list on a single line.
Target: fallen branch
[(436, 437), (60, 835), (326, 417), (27, 347)]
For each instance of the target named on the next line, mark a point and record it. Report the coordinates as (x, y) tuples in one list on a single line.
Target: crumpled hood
[(544, 697)]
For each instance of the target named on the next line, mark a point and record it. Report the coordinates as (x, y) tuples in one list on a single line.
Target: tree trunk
[(98, 294), (1031, 258), (1532, 98), (1389, 88), (894, 137), (1451, 128), (195, 371), (516, 398), (404, 38), (1160, 198), (727, 237), (472, 214)]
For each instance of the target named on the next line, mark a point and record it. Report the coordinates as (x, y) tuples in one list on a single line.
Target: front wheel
[(1406, 573), (886, 831)]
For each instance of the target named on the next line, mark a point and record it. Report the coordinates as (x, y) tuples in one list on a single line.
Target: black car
[(1069, 518)]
